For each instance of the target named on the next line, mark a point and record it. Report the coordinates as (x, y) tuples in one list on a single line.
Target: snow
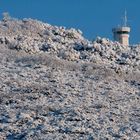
[(56, 84)]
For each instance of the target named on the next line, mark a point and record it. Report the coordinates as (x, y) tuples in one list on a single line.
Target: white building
[(121, 34)]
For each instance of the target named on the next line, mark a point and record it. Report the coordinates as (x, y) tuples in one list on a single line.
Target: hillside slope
[(55, 84)]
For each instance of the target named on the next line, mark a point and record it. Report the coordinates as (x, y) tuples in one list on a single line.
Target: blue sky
[(93, 17)]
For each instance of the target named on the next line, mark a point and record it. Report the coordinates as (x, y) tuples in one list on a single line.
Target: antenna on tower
[(125, 19)]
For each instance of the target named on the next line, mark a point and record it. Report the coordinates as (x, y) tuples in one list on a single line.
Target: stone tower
[(121, 34)]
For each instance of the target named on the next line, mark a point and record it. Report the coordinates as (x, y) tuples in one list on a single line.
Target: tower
[(121, 34)]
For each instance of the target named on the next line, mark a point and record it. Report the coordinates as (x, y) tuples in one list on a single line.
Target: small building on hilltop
[(121, 34)]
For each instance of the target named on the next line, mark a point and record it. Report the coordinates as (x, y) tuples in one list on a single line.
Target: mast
[(125, 19)]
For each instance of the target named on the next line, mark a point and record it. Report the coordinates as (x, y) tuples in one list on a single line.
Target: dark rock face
[(55, 84)]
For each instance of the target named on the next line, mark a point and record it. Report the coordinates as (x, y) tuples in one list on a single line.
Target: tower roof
[(121, 29), (124, 28)]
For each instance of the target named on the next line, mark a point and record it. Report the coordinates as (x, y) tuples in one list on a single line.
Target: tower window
[(122, 32)]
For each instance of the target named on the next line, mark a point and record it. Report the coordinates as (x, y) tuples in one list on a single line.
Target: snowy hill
[(55, 84)]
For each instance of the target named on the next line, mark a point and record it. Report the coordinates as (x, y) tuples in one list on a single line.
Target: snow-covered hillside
[(55, 84)]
